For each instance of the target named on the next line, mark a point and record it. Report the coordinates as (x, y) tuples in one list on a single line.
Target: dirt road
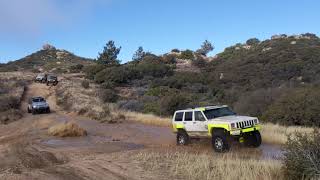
[(27, 152)]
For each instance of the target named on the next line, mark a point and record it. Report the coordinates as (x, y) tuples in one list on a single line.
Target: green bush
[(302, 156), (76, 68), (92, 70), (117, 75), (298, 107), (175, 101), (187, 54)]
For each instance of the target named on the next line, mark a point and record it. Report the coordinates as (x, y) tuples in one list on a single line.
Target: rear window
[(188, 116), (179, 116)]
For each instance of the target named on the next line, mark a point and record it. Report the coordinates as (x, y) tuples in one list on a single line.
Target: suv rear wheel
[(182, 138), (219, 141)]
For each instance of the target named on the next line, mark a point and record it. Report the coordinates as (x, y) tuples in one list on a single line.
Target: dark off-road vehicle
[(52, 80), (38, 105)]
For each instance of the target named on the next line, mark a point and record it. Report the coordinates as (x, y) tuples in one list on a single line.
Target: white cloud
[(32, 16)]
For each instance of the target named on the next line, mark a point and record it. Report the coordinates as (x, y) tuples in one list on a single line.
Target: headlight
[(34, 106), (233, 125), (256, 121)]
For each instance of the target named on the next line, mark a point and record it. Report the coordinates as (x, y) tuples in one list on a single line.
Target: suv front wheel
[(253, 139), (182, 138), (220, 142)]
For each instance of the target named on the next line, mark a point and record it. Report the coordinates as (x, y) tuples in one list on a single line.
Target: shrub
[(298, 107), (169, 104), (175, 50), (117, 75), (108, 95), (187, 54), (9, 102), (169, 59), (76, 68), (69, 129), (302, 156), (92, 70), (255, 103), (85, 84), (131, 105), (199, 61)]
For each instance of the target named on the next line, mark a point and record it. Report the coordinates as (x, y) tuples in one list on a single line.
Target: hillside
[(254, 78), (48, 59), (270, 63)]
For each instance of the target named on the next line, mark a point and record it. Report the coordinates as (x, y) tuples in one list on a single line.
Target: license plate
[(237, 132)]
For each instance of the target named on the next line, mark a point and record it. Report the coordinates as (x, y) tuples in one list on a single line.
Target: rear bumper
[(246, 130)]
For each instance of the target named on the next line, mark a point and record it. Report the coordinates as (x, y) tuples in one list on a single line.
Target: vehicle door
[(200, 122), (188, 121)]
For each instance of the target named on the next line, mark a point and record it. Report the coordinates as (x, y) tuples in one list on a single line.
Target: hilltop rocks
[(48, 47)]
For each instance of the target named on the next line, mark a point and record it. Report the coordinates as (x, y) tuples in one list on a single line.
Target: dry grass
[(183, 165), (277, 134), (12, 88), (148, 119), (69, 129)]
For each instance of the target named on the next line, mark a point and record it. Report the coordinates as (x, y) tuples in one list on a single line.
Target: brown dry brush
[(68, 129), (302, 156)]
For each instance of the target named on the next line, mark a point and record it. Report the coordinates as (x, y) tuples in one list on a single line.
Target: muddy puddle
[(92, 143)]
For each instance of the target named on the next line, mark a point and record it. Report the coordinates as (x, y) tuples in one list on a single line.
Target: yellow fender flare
[(177, 126), (220, 126)]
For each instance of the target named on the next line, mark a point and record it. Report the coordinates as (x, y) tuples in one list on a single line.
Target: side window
[(198, 116), (188, 116), (178, 116)]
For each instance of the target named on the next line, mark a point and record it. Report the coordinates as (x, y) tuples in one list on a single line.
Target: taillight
[(233, 125)]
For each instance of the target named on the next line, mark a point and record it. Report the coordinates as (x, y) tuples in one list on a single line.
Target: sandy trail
[(29, 153)]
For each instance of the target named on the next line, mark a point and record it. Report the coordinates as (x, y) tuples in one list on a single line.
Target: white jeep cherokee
[(218, 122)]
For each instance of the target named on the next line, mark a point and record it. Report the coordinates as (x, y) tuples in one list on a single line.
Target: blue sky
[(84, 26)]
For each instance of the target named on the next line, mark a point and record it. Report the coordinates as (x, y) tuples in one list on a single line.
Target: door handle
[(184, 122), (194, 122)]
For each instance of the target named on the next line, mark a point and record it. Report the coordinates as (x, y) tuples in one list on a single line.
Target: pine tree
[(206, 47), (139, 54), (109, 54)]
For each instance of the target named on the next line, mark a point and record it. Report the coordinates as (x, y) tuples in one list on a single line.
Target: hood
[(39, 104), (234, 118)]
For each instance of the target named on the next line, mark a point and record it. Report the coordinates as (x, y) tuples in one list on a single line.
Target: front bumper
[(239, 132), (41, 109)]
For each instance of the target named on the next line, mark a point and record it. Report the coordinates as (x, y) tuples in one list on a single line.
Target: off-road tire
[(220, 141), (253, 139), (29, 111), (55, 83), (182, 138), (33, 111), (48, 110)]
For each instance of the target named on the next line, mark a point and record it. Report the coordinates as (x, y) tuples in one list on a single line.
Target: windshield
[(38, 100), (219, 112), (52, 77)]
